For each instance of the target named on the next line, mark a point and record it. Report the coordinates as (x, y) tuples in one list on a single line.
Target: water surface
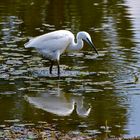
[(95, 94)]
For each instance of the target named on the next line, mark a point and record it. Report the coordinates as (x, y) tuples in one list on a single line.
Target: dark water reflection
[(93, 91)]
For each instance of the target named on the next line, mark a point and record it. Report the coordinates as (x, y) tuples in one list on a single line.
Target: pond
[(96, 93)]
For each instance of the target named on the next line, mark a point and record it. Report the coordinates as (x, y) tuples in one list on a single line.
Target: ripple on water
[(44, 72), (18, 72), (4, 76), (14, 62), (8, 93)]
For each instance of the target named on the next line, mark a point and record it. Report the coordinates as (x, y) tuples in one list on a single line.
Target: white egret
[(52, 45)]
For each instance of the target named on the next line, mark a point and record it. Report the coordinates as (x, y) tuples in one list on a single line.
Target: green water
[(93, 91)]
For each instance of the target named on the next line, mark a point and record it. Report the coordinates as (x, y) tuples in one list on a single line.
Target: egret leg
[(52, 62), (58, 70)]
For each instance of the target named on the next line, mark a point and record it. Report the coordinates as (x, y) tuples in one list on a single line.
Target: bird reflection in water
[(56, 102)]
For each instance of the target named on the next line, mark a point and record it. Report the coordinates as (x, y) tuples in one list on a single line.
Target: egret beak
[(92, 45)]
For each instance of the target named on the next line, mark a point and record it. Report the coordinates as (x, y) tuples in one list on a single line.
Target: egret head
[(86, 37)]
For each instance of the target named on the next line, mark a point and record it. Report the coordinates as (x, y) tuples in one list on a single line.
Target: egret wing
[(53, 40)]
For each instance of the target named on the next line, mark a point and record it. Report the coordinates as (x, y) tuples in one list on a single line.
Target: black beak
[(92, 45)]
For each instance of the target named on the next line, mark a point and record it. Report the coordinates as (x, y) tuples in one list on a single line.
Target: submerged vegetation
[(15, 130)]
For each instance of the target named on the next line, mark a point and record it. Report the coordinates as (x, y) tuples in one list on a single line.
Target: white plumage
[(53, 44)]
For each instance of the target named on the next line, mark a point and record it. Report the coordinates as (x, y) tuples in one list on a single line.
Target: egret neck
[(76, 46)]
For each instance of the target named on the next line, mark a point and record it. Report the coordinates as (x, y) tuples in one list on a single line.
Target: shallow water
[(95, 94)]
